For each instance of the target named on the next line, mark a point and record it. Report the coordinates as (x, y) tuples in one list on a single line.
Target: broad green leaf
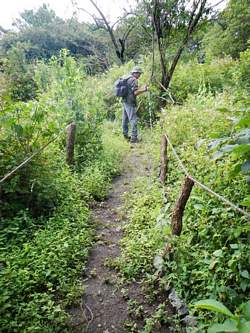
[(158, 262), (244, 327), (229, 326), (236, 170), (245, 168), (246, 310), (244, 285), (244, 122), (234, 246), (246, 201), (199, 143), (199, 206), (218, 253), (213, 305), (228, 148), (214, 143), (212, 264), (243, 139), (242, 149), (218, 154), (245, 274)]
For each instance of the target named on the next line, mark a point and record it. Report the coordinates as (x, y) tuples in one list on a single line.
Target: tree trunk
[(158, 26)]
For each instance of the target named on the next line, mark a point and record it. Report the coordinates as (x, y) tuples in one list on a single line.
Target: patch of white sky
[(11, 9)]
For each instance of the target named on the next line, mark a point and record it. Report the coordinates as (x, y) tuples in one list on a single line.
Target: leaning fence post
[(176, 221), (164, 159), (71, 129)]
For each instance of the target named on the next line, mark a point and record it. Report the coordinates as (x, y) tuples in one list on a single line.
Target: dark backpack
[(122, 87)]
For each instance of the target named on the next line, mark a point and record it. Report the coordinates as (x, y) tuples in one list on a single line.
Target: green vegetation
[(210, 258), (45, 227), (235, 323), (54, 72)]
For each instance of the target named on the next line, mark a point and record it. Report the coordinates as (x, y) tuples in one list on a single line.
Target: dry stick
[(204, 187), (164, 159), (71, 129), (91, 314), (176, 221), (169, 94), (27, 159)]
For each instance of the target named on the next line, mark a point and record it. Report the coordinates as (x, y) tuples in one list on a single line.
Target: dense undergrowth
[(46, 228), (211, 257), (42, 259)]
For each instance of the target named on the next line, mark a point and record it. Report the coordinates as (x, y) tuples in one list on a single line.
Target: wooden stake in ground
[(71, 129), (176, 221), (164, 159)]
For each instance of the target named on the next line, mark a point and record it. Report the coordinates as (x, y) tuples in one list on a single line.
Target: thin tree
[(179, 18), (102, 22)]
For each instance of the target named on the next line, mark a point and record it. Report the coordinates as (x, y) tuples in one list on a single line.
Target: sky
[(10, 9)]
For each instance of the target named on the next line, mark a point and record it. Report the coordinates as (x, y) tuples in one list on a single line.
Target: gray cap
[(136, 69)]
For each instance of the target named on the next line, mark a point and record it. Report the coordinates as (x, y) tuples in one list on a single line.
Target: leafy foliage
[(237, 144), (210, 258), (232, 30), (235, 323), (211, 269), (45, 231), (143, 233), (48, 34)]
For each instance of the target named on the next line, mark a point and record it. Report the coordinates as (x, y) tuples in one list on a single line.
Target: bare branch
[(217, 4), (126, 34), (120, 19), (191, 26), (4, 31), (97, 21), (109, 29)]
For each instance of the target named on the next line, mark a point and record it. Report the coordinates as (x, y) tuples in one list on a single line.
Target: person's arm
[(141, 90)]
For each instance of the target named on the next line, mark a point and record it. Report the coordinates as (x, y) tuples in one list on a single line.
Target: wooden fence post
[(71, 129), (164, 159), (176, 221)]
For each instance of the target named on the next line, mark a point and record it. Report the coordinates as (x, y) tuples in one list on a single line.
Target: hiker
[(129, 104)]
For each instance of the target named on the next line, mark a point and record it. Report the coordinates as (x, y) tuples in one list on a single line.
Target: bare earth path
[(104, 305)]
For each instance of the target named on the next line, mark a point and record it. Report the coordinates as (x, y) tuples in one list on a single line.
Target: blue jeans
[(129, 116)]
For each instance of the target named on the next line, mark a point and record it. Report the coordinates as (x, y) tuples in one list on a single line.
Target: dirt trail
[(104, 307)]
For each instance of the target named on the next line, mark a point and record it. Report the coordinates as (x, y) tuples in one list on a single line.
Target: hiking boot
[(126, 137), (134, 140)]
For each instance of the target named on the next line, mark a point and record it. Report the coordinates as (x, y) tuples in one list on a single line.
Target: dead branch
[(176, 221)]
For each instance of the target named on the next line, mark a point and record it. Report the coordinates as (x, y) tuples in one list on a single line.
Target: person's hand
[(145, 88)]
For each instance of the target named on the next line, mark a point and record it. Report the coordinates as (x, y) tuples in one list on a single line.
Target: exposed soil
[(104, 306)]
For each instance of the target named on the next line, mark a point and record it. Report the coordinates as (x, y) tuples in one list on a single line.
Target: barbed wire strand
[(29, 158), (218, 196)]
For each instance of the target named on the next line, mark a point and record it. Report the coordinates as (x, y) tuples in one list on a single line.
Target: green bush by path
[(143, 233), (41, 276), (211, 257), (45, 227), (40, 273), (216, 76)]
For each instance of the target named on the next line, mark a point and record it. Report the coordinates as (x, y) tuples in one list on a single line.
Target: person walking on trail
[(129, 104)]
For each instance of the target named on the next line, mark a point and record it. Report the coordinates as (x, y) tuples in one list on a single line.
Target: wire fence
[(204, 187), (28, 159)]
